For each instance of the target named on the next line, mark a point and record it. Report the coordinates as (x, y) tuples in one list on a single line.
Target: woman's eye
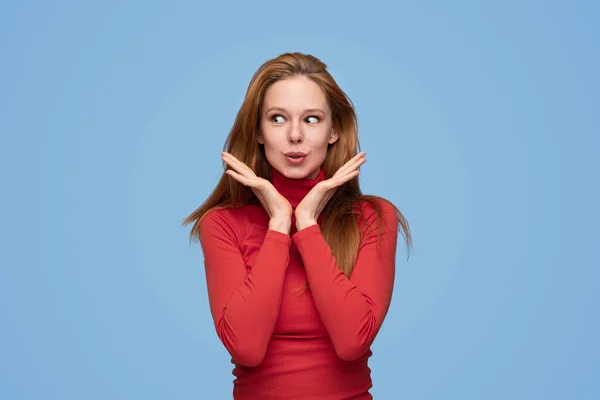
[(274, 118), (312, 119)]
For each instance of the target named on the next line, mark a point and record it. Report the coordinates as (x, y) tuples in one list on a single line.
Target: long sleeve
[(244, 306), (352, 310)]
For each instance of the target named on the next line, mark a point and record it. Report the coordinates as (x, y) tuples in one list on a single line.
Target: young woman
[(299, 263)]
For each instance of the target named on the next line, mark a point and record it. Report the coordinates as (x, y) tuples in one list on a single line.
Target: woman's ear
[(333, 137), (260, 139)]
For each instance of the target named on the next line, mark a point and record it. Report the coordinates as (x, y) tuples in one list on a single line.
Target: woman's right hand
[(279, 209)]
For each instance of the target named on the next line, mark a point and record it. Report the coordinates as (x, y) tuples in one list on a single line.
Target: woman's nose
[(295, 134)]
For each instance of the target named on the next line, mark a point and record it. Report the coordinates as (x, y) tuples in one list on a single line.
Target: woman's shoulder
[(230, 218), (370, 205), (373, 209)]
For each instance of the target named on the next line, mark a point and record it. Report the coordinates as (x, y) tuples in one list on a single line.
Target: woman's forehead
[(295, 95)]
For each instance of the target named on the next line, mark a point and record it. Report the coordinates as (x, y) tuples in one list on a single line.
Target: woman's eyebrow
[(284, 110)]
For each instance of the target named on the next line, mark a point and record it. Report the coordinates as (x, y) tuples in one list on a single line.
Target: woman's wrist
[(304, 222), (281, 224)]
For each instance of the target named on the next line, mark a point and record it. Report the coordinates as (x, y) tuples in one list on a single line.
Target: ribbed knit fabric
[(285, 344)]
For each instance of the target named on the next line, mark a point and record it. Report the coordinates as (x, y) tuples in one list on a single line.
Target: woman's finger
[(237, 164), (340, 180), (352, 164), (244, 180), (351, 168), (336, 181), (357, 163)]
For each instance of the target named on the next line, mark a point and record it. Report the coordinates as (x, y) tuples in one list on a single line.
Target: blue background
[(480, 121)]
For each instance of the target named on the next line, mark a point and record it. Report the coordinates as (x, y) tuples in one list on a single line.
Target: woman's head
[(293, 105)]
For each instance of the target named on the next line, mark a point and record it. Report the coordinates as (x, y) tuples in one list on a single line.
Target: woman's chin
[(297, 172)]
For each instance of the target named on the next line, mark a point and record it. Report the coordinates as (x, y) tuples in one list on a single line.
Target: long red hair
[(340, 224)]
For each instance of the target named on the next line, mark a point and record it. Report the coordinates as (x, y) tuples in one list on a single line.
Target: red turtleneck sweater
[(286, 345)]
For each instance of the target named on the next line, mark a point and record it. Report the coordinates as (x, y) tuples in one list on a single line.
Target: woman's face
[(296, 127)]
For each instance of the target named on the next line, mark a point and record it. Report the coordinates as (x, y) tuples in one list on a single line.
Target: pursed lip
[(295, 154)]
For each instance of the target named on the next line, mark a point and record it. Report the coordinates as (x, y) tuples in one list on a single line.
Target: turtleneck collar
[(294, 190)]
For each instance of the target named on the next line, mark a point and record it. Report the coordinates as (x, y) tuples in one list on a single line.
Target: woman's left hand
[(313, 203)]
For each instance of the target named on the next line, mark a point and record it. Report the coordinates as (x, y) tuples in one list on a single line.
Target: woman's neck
[(294, 190)]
